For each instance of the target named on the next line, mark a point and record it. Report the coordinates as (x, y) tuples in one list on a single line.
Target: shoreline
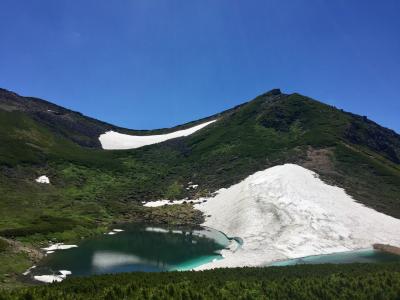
[(29, 276), (271, 264), (387, 248)]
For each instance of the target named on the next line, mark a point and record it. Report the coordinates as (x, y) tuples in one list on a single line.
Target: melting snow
[(168, 202), (112, 140), (49, 278), (115, 231), (28, 271), (43, 179), (53, 278), (288, 212), (192, 186), (156, 229), (57, 246)]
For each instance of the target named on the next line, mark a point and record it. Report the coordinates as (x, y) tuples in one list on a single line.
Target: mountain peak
[(273, 92)]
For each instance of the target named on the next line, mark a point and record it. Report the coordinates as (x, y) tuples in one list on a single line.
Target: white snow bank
[(57, 246), (28, 270), (112, 140), (156, 229), (65, 272), (43, 179), (48, 278), (168, 202), (115, 231), (53, 278), (288, 212)]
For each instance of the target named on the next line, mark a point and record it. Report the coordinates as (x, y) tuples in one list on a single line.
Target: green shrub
[(3, 245)]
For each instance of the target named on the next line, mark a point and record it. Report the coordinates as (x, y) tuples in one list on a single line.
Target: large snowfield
[(112, 140), (288, 212)]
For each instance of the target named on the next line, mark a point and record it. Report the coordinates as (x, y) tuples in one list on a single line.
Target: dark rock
[(273, 92)]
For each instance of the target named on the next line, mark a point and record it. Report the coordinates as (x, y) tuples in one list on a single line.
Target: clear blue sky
[(157, 63)]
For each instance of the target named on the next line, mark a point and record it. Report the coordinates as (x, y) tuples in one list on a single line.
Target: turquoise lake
[(153, 248), (139, 248), (359, 256)]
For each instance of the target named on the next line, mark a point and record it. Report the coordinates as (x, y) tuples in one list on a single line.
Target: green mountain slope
[(91, 187)]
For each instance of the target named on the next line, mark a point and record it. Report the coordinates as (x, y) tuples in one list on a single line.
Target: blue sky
[(157, 63)]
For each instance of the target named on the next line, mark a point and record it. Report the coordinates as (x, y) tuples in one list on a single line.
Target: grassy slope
[(355, 281)]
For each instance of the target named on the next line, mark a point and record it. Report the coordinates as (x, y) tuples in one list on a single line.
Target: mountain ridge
[(46, 112), (24, 100)]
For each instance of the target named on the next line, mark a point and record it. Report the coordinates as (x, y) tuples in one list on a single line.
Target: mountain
[(91, 187)]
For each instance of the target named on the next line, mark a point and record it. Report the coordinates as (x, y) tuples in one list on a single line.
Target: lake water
[(139, 248), (359, 256), (153, 249)]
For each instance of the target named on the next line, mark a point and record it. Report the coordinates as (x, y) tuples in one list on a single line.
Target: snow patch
[(156, 229), (48, 278), (28, 271), (168, 202), (54, 277), (192, 186), (115, 231), (287, 212), (112, 140), (65, 272), (43, 179), (58, 246)]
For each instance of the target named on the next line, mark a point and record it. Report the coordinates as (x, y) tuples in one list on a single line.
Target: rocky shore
[(387, 248)]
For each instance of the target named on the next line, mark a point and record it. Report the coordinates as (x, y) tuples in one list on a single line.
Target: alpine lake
[(138, 248), (144, 248)]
